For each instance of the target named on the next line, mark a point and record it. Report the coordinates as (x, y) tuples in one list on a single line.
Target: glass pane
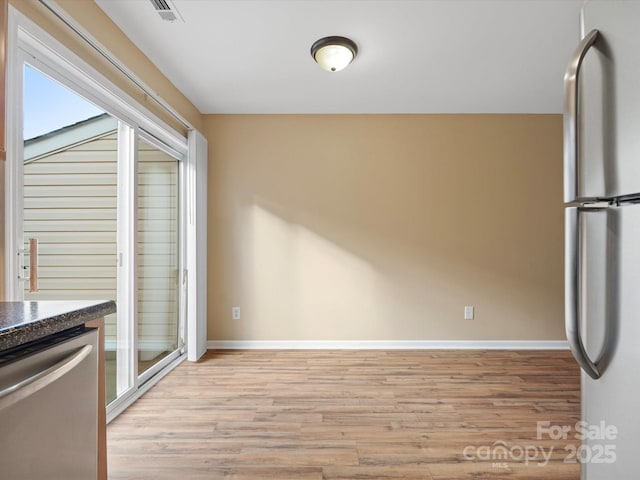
[(70, 207), (158, 294)]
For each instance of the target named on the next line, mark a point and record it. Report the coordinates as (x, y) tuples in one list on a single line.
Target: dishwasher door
[(49, 412)]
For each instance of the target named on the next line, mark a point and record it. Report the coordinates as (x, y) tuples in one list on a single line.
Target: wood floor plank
[(337, 415)]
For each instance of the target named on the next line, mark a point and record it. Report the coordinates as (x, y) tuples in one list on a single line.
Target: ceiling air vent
[(166, 10)]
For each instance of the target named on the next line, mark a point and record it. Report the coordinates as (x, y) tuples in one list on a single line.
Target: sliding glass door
[(70, 184), (101, 201), (158, 253)]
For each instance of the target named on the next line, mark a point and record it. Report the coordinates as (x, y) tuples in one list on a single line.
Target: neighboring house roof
[(69, 136)]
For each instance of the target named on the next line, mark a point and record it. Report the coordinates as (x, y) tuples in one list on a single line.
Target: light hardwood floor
[(313, 415)]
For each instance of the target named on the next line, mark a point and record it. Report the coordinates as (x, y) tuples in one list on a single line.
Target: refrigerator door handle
[(570, 117), (573, 293)]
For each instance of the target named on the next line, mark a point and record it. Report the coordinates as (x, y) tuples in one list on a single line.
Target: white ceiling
[(416, 56)]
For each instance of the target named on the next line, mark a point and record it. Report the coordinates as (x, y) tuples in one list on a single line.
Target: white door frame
[(28, 43)]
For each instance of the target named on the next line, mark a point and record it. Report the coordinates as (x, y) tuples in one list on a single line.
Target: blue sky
[(49, 106)]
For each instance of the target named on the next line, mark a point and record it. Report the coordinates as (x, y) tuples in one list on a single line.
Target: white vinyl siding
[(157, 251), (70, 207)]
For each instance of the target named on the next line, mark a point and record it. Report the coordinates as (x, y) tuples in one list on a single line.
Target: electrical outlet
[(235, 313), (468, 312)]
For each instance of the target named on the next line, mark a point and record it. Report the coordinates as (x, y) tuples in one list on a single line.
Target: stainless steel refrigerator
[(602, 236)]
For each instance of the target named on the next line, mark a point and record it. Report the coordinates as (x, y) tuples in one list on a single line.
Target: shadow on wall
[(384, 227)]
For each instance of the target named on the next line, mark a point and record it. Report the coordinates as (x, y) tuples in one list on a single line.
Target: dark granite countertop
[(24, 322)]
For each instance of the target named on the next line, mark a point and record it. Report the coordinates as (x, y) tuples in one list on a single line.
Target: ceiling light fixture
[(334, 53)]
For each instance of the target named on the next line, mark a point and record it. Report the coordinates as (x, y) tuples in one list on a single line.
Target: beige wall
[(379, 227), (2, 232)]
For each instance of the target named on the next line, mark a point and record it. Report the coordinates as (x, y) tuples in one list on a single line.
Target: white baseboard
[(387, 344)]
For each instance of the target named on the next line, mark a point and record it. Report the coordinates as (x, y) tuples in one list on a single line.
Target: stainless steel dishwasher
[(48, 409)]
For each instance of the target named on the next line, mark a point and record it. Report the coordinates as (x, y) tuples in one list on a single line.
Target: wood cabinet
[(102, 408)]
